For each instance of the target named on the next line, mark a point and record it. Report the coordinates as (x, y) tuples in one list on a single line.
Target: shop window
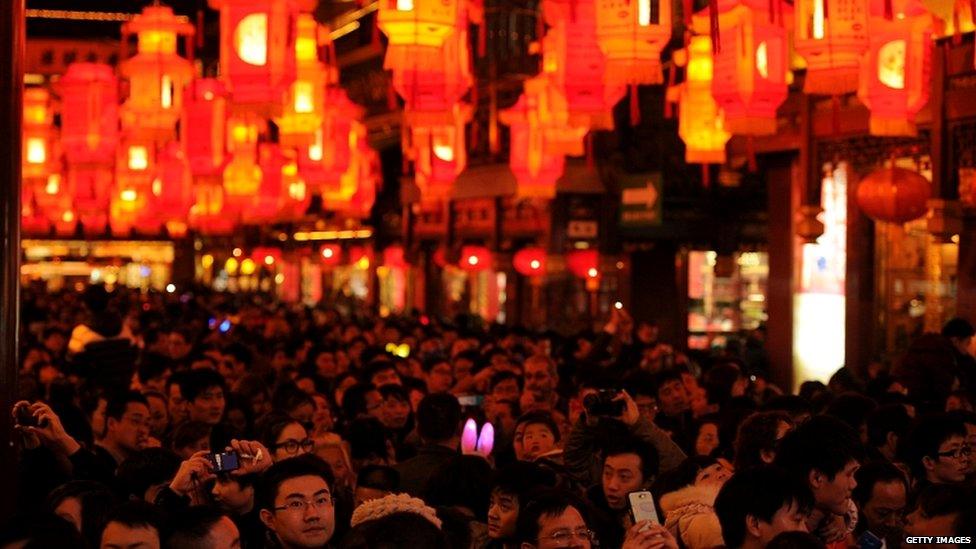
[(726, 296)]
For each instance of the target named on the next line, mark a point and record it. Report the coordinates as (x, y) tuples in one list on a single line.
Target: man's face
[(707, 440), (538, 380), (131, 431), (179, 410), (647, 406), (884, 512), (506, 390), (833, 495), (208, 407), (971, 442), (119, 536), (178, 346), (920, 524), (537, 439), (231, 497), (621, 476), (303, 515), (787, 519), (386, 377), (502, 515), (396, 412), (158, 416), (673, 398), (566, 530), (325, 365), (952, 462), (98, 419), (462, 368), (440, 378)]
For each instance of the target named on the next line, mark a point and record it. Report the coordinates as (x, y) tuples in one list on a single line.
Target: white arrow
[(644, 195)]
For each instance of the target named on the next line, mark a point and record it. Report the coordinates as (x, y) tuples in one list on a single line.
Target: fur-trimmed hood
[(690, 516)]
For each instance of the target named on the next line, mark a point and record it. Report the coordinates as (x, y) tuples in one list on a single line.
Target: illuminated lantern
[(89, 113), (134, 176), (393, 257), (419, 23), (360, 257), (530, 261), (535, 169), (331, 255), (306, 96), (700, 121), (431, 92), (89, 187), (266, 201), (207, 215), (896, 71), (172, 195), (831, 36), (295, 196), (584, 264), (156, 73), (894, 195), (632, 34), (242, 175), (475, 259), (203, 127), (268, 257), (370, 175), (439, 155), (39, 156), (750, 71), (257, 52)]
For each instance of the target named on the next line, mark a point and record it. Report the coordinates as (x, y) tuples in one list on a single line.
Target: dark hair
[(118, 403), (759, 492), (462, 481), (433, 360), (825, 444), (666, 376), (379, 477), (546, 504), (137, 514), (890, 418), (393, 390), (190, 528), (96, 500), (522, 478), (143, 469), (872, 473), (795, 539), (502, 376), (438, 417), (178, 379), (269, 428), (153, 365), (936, 500), (250, 386), (683, 475), (240, 353), (299, 466), (198, 381), (924, 440), (757, 434), (791, 404), (376, 366), (539, 417), (287, 397), (633, 445), (42, 531), (188, 432), (719, 381), (354, 400), (401, 530), (852, 409), (958, 327), (367, 438)]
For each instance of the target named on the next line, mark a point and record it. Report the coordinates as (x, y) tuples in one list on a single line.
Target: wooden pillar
[(783, 195), (861, 326)]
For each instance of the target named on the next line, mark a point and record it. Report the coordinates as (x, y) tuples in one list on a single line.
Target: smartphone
[(470, 400), (870, 541), (226, 462), (25, 418), (642, 507)]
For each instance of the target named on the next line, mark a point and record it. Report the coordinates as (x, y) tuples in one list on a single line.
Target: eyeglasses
[(563, 538), (301, 505), (962, 451), (291, 446)]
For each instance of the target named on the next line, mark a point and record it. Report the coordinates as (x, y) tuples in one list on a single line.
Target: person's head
[(881, 496), (376, 481), (143, 474), (937, 510), (673, 398), (553, 519), (382, 372), (723, 381), (541, 378), (298, 404), (536, 433), (758, 438), (54, 340), (853, 409), (758, 503), (127, 420), (510, 489), (158, 413), (825, 453), (189, 438), (968, 420), (795, 540), (235, 361), (252, 388), (937, 450), (505, 386), (706, 432), (203, 391), (438, 374), (369, 442), (629, 465), (180, 344), (463, 482), (179, 410), (283, 436), (886, 427), (40, 530), (154, 372), (362, 399), (960, 332), (296, 502), (396, 406), (234, 494), (85, 504), (438, 418), (201, 527), (132, 525), (396, 530)]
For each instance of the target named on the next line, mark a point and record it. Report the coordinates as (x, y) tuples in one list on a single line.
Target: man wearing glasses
[(937, 452), (295, 502)]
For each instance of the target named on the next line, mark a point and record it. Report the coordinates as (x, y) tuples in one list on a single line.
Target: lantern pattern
[(700, 121), (536, 169), (831, 39), (896, 70), (242, 175), (475, 259), (257, 52), (632, 34), (157, 75), (750, 71), (584, 264), (39, 158), (89, 114), (439, 154), (894, 195), (430, 91), (203, 127), (306, 96), (530, 261)]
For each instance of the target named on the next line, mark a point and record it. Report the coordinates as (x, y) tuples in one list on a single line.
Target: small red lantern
[(584, 264), (475, 259), (39, 157), (89, 113), (393, 257), (331, 255), (360, 257), (440, 155), (267, 257), (530, 261), (894, 195)]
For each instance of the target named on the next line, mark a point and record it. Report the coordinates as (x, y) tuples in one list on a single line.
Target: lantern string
[(634, 105), (706, 176), (669, 105), (751, 154), (888, 10), (687, 9), (713, 25)]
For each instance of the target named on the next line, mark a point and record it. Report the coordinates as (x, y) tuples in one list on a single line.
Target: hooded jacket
[(690, 515)]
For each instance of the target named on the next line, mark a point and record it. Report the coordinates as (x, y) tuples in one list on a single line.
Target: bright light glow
[(251, 39), (535, 264), (248, 266), (53, 184), (166, 92), (644, 12), (170, 288), (138, 158), (157, 187), (296, 190), (279, 278), (237, 252), (762, 59), (315, 149), (444, 152), (469, 437), (328, 253), (207, 261), (269, 260), (592, 272), (128, 195), (36, 150), (404, 5), (891, 64), (472, 260), (363, 263), (818, 19), (68, 216), (304, 97), (306, 49), (208, 95), (818, 336), (231, 265)]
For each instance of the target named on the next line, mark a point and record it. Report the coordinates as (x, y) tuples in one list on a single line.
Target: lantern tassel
[(751, 154), (590, 157), (634, 105), (482, 39), (668, 105), (713, 25), (888, 10), (706, 176), (687, 9)]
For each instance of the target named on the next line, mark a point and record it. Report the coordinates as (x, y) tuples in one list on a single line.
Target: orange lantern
[(134, 176), (203, 127), (89, 113), (535, 168), (632, 34), (831, 36), (896, 71), (439, 154), (242, 175), (431, 91), (700, 121), (306, 96), (475, 259), (39, 157), (207, 215), (419, 23), (584, 264), (894, 195), (257, 53), (156, 74), (331, 255), (750, 71), (530, 261), (171, 191)]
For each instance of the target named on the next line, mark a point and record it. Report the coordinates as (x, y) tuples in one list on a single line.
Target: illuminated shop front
[(67, 264)]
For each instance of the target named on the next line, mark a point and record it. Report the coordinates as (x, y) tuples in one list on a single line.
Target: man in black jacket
[(438, 424)]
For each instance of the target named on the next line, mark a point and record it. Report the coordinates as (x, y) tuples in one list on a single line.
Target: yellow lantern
[(156, 74), (242, 175), (421, 23), (305, 100), (701, 123), (39, 157), (134, 175), (632, 34), (831, 38)]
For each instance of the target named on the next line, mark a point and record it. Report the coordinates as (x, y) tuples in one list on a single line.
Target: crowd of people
[(209, 420)]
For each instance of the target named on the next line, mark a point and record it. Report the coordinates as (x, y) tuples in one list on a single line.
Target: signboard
[(640, 200)]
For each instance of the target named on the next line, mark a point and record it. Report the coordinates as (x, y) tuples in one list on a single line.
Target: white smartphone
[(642, 507)]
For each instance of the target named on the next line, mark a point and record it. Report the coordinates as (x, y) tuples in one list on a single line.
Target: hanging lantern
[(266, 201), (897, 69), (536, 169), (360, 257), (203, 127), (475, 259), (430, 92), (530, 261), (134, 175), (584, 264), (242, 175), (156, 74), (89, 114), (89, 188), (257, 52), (331, 255), (894, 195), (172, 195), (39, 158), (700, 121), (393, 257), (418, 23), (306, 96), (632, 34), (831, 37), (295, 196), (750, 70), (439, 155), (207, 215)]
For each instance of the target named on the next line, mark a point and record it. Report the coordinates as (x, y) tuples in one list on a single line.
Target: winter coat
[(690, 516)]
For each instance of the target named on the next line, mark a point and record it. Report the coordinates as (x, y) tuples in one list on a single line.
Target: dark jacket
[(416, 471)]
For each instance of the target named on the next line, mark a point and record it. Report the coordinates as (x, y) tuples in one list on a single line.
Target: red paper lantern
[(208, 214), (439, 155), (203, 127), (584, 264), (242, 175), (89, 113), (431, 92), (39, 158), (393, 257), (530, 261), (306, 96), (172, 195), (536, 169), (135, 171), (475, 259), (831, 37), (89, 188), (894, 195), (331, 255)]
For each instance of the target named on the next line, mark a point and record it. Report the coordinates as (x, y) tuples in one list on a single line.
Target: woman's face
[(707, 440), (717, 473), (292, 441), (322, 419)]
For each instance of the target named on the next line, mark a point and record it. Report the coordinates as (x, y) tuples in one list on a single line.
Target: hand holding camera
[(612, 403), (39, 424)]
